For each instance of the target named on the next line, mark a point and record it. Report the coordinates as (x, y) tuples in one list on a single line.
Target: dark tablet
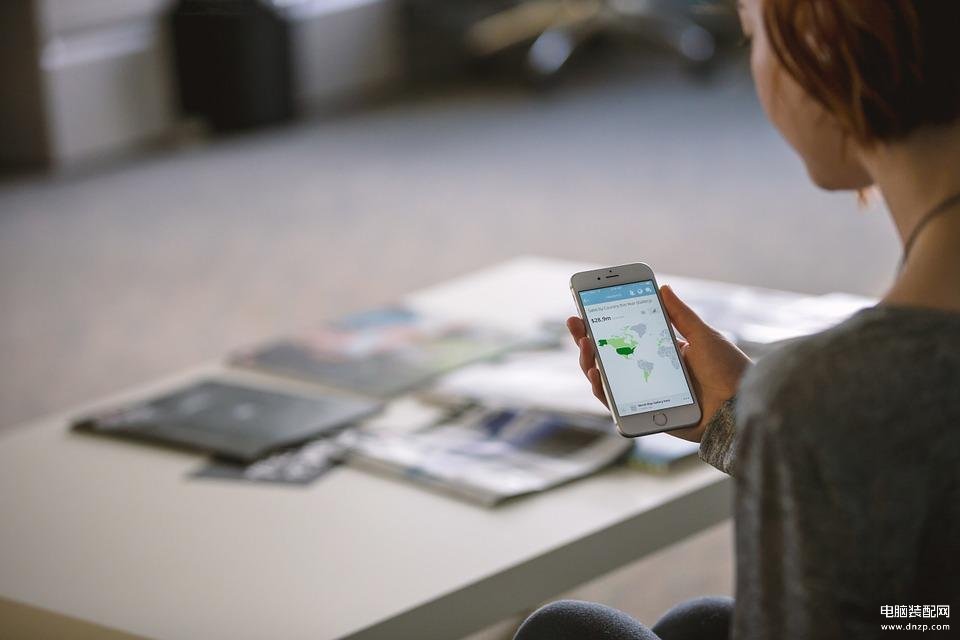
[(236, 421)]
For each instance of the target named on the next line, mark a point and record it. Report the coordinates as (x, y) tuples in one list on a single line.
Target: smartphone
[(644, 378)]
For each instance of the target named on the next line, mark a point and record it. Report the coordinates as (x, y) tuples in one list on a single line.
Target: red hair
[(883, 68)]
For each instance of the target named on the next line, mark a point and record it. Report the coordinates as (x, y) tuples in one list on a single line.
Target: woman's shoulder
[(871, 336), (870, 367)]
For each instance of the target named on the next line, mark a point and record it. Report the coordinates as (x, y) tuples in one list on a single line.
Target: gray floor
[(128, 272)]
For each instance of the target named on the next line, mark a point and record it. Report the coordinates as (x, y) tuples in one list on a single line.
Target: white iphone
[(644, 378)]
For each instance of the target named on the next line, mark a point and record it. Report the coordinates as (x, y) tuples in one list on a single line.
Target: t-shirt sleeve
[(717, 443)]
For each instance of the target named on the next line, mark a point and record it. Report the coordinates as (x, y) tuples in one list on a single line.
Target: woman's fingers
[(683, 317), (576, 328), (587, 359), (593, 375)]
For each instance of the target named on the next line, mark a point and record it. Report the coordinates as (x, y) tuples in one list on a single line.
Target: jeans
[(699, 619)]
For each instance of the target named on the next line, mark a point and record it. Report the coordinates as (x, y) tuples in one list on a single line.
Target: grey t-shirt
[(845, 451)]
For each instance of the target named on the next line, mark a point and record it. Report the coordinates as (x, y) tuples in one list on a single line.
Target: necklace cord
[(937, 211)]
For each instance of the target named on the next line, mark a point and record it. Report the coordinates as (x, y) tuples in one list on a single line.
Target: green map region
[(624, 346)]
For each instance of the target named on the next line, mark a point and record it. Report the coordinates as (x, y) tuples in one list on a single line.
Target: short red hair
[(883, 68)]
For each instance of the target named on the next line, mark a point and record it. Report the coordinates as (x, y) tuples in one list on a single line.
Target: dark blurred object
[(82, 80), (233, 62), (543, 35), (24, 136), (239, 422)]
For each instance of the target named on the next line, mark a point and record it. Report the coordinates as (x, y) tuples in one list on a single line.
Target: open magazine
[(487, 456), (382, 352)]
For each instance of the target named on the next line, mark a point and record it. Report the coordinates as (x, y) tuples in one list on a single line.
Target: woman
[(844, 446)]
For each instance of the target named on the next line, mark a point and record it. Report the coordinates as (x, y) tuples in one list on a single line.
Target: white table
[(115, 534)]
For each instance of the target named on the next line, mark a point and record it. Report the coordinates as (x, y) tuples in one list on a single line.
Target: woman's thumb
[(683, 317)]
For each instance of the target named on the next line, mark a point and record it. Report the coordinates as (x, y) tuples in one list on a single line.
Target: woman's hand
[(714, 363)]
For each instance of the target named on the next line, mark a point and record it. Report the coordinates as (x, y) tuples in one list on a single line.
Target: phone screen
[(633, 342)]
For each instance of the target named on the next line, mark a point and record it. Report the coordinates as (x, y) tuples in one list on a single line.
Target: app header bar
[(618, 292)]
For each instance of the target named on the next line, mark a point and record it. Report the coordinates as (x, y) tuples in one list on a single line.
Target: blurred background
[(181, 178)]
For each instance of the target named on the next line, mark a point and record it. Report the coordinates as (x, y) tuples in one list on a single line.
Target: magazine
[(232, 420), (549, 380), (382, 352), (661, 452), (487, 456)]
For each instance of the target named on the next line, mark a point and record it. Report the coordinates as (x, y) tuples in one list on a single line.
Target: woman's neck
[(915, 176)]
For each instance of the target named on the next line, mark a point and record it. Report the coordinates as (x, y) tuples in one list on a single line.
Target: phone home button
[(660, 419)]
